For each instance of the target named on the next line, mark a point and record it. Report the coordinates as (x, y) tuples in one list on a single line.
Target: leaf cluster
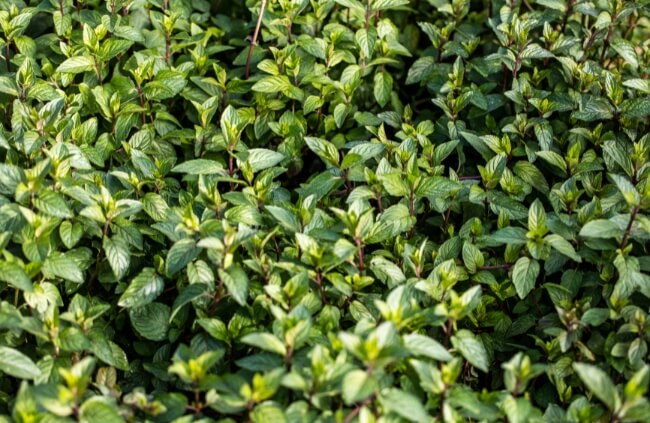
[(324, 210)]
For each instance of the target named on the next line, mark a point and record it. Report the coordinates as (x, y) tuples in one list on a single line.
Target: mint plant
[(324, 210)]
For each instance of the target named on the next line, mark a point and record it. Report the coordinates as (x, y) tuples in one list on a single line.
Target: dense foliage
[(366, 210)]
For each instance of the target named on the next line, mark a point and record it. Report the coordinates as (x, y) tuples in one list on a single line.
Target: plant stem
[(610, 32), (8, 55), (254, 39), (569, 11), (361, 263), (352, 414), (495, 267), (628, 229)]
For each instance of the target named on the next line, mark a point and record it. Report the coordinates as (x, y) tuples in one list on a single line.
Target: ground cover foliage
[(385, 210)]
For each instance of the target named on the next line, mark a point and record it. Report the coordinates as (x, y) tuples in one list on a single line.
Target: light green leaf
[(383, 87), (600, 228), (352, 4), (76, 64), (563, 246), (357, 385), (286, 218), (630, 194), (599, 384), (366, 40), (323, 149), (554, 159), (421, 345), (273, 84), (16, 364), (14, 275), (262, 158), (63, 267), (395, 184), (388, 4), (236, 282), (53, 204), (626, 50), (266, 342), (524, 275), (200, 167), (99, 409), (404, 404), (117, 253), (472, 349)]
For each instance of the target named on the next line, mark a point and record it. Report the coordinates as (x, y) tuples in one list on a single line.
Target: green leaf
[(236, 282), (323, 149), (200, 167), (143, 289), (509, 235), (70, 233), (630, 194), (180, 254), (436, 186), (117, 253), (595, 316), (287, 219), (420, 345), (266, 342), (599, 384), (53, 204), (421, 70), (600, 228), (99, 409), (155, 206), (387, 271), (383, 87), (76, 64), (563, 246), (537, 218), (151, 321), (472, 349), (113, 47), (404, 404), (366, 39), (352, 4), (186, 296), (388, 4), (357, 385), (8, 86), (166, 84), (535, 51), (524, 275), (553, 159), (16, 364), (626, 50), (63, 267), (340, 113), (108, 351), (262, 158), (273, 84), (636, 108), (14, 275), (395, 185)]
